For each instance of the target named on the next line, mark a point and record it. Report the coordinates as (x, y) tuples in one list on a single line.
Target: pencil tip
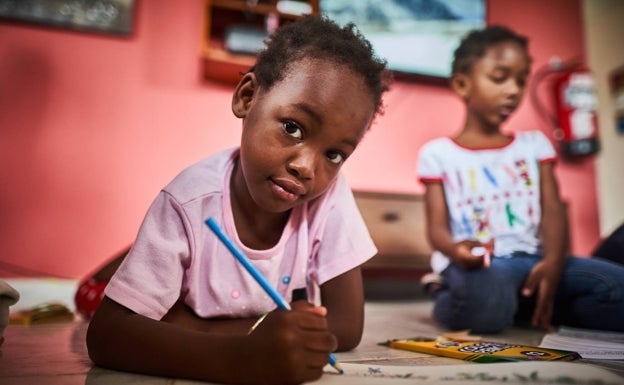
[(338, 368)]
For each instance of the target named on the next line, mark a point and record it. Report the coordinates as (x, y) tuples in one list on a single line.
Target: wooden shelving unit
[(220, 64)]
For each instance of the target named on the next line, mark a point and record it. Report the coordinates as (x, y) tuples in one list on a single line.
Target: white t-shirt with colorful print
[(176, 255), (491, 193)]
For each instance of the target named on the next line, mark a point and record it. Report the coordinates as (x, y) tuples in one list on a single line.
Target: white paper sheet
[(590, 344), (529, 372)]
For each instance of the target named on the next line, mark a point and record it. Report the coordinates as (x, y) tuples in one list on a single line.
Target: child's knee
[(490, 313)]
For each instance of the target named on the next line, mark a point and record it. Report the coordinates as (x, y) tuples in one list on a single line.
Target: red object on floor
[(88, 297)]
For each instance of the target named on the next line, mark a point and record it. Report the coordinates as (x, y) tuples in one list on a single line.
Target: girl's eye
[(498, 79), (293, 130), (335, 157), (522, 82), (499, 75)]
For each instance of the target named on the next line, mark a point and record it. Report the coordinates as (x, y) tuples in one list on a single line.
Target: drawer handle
[(391, 217)]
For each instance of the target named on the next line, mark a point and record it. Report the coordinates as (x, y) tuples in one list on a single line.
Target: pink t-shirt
[(176, 254)]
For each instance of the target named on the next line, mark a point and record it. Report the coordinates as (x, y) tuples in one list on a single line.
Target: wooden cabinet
[(249, 19), (397, 224)]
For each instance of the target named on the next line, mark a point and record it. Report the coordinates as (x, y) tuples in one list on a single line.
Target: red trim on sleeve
[(430, 180), (549, 160)]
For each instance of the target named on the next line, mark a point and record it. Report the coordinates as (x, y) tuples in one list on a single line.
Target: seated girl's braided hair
[(318, 37)]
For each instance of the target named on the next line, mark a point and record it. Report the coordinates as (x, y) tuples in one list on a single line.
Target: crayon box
[(481, 351)]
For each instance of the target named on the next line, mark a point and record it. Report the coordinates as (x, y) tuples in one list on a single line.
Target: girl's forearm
[(441, 239), (138, 344), (343, 297), (554, 233), (183, 316)]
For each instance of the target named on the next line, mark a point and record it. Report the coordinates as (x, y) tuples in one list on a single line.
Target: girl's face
[(297, 135), (496, 84)]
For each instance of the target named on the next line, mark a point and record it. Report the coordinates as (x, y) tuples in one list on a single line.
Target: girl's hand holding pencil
[(290, 346)]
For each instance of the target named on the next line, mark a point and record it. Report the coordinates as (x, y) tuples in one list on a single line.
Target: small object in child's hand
[(478, 251), (44, 313), (481, 251)]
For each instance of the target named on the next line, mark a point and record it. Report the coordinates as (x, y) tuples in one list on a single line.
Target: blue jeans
[(590, 295)]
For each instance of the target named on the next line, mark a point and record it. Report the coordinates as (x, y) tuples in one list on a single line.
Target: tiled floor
[(56, 354)]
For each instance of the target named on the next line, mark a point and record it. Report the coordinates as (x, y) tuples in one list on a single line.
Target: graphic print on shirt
[(481, 222), (523, 171), (490, 176), (512, 218), (511, 173), (496, 199), (447, 182), (473, 179)]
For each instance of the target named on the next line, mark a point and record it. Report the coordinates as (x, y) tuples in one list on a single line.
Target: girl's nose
[(514, 88), (303, 163)]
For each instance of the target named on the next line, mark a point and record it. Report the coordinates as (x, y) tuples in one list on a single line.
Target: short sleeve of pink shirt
[(175, 254)]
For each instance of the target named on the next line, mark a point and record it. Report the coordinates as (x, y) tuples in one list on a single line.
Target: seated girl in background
[(493, 196)]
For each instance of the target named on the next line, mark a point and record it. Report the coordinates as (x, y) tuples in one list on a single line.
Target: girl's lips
[(506, 111), (287, 189)]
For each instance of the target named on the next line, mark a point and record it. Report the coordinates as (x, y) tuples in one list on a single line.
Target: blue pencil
[(275, 296)]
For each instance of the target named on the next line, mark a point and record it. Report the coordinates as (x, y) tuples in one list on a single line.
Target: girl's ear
[(460, 83), (244, 94)]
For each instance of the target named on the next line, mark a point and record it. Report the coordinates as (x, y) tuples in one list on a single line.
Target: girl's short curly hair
[(318, 37), (476, 42)]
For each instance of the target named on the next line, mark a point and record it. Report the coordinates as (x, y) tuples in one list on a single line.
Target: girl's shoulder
[(537, 142), (207, 176), (438, 144), (440, 141), (532, 136)]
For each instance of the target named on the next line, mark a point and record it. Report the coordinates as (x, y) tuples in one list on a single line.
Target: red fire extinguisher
[(575, 125)]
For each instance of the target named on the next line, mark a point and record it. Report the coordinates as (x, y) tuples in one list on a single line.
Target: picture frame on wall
[(416, 37), (114, 17)]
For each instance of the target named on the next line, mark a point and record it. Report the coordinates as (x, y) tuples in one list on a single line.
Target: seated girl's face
[(297, 135)]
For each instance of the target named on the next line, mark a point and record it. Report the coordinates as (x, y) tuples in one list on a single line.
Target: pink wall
[(92, 126)]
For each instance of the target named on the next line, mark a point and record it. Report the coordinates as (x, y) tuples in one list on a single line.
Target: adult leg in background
[(591, 295)]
